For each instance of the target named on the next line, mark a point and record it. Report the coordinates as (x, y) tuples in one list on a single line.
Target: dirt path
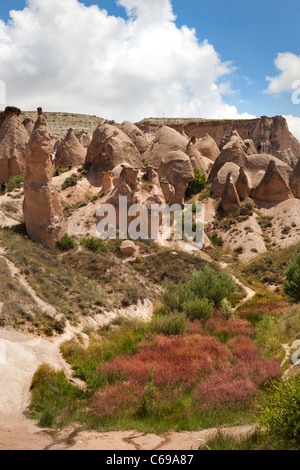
[(249, 292), (21, 355)]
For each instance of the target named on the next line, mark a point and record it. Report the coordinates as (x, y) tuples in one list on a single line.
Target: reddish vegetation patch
[(216, 374), (255, 309)]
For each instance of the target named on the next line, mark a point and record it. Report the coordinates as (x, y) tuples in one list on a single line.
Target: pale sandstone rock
[(295, 181), (177, 168), (43, 214), (70, 151), (13, 139), (242, 184), (274, 187), (230, 197), (166, 140), (136, 135), (128, 248), (208, 147), (110, 147)]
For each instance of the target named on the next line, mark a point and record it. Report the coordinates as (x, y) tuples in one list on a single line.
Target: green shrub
[(227, 309), (168, 325), (95, 245), (216, 240), (292, 283), (174, 296), (211, 285), (198, 308), (66, 243), (279, 415), (196, 186), (14, 183), (71, 181)]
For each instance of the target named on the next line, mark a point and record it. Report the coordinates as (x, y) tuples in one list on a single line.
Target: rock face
[(274, 187), (13, 139), (166, 140), (43, 213), (136, 135), (70, 151), (177, 168), (219, 182), (109, 148), (230, 198)]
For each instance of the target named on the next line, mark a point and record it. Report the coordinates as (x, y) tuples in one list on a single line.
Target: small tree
[(292, 283), (279, 416)]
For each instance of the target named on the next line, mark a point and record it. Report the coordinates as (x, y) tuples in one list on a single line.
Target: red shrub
[(116, 398), (228, 328), (225, 388), (183, 359)]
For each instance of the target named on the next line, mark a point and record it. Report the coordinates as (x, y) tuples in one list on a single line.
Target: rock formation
[(274, 187), (176, 167), (234, 152), (136, 135), (43, 213), (269, 135), (295, 181), (166, 140), (13, 139), (70, 151), (242, 184), (208, 147), (109, 148), (230, 198)]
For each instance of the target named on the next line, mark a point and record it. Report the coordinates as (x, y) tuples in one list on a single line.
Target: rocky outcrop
[(43, 213), (70, 151), (136, 135), (208, 147), (166, 140), (274, 187), (230, 199), (176, 167), (13, 139), (269, 135), (243, 184), (295, 181), (234, 151), (128, 248), (109, 147), (196, 158), (219, 182)]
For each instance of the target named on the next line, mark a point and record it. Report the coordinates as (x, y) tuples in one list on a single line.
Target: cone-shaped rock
[(166, 140), (136, 135), (230, 197), (242, 184), (110, 147), (295, 181), (177, 168), (208, 147), (234, 151), (70, 151), (43, 213), (274, 187), (13, 139)]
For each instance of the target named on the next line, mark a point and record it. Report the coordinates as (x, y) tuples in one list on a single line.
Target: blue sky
[(249, 34)]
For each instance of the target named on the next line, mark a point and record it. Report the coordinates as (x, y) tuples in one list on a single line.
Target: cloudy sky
[(130, 59)]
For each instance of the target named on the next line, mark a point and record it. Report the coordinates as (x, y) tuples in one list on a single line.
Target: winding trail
[(20, 356)]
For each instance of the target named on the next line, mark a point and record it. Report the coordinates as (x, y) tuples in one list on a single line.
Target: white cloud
[(294, 125), (64, 56), (288, 65)]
